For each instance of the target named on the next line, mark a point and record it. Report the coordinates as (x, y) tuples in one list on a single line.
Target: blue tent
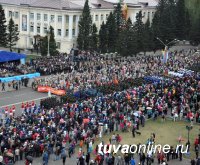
[(10, 56)]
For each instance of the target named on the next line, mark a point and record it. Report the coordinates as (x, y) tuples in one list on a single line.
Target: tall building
[(34, 17)]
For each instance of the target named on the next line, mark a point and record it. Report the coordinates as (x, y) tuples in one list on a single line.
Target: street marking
[(25, 101)]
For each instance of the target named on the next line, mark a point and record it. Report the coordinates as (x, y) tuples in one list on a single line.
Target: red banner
[(52, 90)]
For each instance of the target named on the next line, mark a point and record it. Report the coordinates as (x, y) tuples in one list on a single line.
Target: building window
[(38, 29), (38, 16), (45, 30), (59, 32), (31, 41), (106, 16), (96, 17), (45, 17), (73, 32), (16, 14), (148, 14), (74, 18), (101, 17), (10, 13), (58, 45), (52, 18), (67, 31), (31, 15), (31, 28), (59, 18), (152, 14)]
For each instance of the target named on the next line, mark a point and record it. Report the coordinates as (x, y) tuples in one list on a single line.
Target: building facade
[(34, 17)]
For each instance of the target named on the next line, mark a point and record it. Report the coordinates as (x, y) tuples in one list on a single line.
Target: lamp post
[(166, 45), (189, 128), (48, 36)]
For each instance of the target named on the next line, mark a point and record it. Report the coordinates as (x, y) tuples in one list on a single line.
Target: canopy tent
[(10, 56)]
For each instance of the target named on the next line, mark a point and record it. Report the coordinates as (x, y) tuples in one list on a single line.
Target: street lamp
[(48, 36), (166, 45), (189, 128)]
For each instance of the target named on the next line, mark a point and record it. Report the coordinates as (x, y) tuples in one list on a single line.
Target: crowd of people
[(99, 71), (59, 130), (10, 69)]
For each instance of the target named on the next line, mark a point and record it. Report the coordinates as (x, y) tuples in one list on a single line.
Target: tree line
[(9, 33), (172, 20)]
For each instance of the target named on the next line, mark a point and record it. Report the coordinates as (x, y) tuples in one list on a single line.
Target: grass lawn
[(166, 133)]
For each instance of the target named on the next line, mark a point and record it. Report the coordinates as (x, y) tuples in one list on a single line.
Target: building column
[(6, 13), (63, 30), (35, 23), (20, 22), (70, 26), (55, 25), (42, 25), (28, 23), (98, 27), (28, 31), (48, 20), (93, 19), (77, 22)]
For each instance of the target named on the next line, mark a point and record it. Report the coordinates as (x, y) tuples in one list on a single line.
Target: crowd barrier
[(45, 89), (19, 77)]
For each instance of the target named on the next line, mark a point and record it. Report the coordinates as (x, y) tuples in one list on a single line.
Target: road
[(17, 97), (27, 94)]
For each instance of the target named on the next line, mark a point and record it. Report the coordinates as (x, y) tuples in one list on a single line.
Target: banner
[(165, 55), (125, 11), (46, 89)]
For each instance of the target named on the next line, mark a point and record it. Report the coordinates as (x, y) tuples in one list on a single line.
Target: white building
[(34, 17)]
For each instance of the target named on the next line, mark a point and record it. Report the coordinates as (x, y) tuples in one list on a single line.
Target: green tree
[(183, 20), (94, 38), (169, 29), (147, 37), (3, 36), (164, 23), (103, 38), (52, 42), (195, 32), (139, 30), (155, 32), (44, 46), (131, 38), (85, 27), (13, 34), (126, 41), (112, 33), (118, 17)]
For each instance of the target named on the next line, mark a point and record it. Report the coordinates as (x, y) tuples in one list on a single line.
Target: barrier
[(46, 89), (19, 77)]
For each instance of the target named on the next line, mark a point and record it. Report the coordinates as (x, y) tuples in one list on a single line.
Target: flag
[(165, 55)]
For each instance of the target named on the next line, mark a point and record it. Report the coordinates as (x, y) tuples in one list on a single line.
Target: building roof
[(56, 4), (151, 3), (60, 4), (78, 4)]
